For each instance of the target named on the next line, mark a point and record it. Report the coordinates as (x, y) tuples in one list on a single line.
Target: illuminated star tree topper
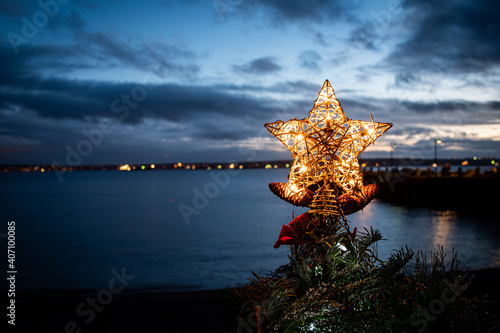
[(325, 147)]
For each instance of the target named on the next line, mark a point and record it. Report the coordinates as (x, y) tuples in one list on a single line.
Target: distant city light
[(179, 164), (241, 166), (152, 166), (143, 167), (268, 166), (219, 166), (287, 165), (124, 167), (465, 163), (231, 166)]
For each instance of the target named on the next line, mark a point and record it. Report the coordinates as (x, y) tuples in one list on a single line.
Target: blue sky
[(87, 82)]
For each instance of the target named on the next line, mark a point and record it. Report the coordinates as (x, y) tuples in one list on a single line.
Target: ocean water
[(188, 229)]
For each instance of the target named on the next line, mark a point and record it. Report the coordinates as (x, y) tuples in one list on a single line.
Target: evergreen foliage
[(335, 282)]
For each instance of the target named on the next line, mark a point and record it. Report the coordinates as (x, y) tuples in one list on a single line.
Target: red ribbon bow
[(287, 231)]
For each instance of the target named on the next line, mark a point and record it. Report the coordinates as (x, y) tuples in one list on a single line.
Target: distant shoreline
[(364, 163)]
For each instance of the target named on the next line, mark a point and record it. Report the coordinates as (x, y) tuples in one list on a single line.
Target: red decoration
[(286, 233)]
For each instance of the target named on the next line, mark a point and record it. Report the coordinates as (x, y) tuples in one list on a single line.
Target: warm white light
[(327, 129), (124, 167), (293, 188)]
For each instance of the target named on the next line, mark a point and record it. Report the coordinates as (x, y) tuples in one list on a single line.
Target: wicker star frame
[(325, 147)]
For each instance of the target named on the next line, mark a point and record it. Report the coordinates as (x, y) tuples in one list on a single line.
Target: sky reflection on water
[(71, 235)]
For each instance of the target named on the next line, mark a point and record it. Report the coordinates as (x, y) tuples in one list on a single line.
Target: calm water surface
[(71, 235)]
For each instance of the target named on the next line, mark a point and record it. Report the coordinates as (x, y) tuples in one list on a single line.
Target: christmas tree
[(335, 281)]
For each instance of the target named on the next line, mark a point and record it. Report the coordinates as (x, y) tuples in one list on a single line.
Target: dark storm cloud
[(310, 59), (431, 106), (406, 80), (98, 50), (494, 105), (215, 112), (105, 50), (298, 10), (365, 36), (224, 129), (73, 20), (44, 123), (129, 102), (11, 9), (411, 131), (296, 87), (458, 36), (450, 105), (264, 65)]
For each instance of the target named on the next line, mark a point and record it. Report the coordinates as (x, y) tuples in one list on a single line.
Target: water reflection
[(474, 239), (365, 218), (443, 224), (127, 219)]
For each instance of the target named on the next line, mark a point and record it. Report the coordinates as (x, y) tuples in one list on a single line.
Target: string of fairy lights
[(325, 147)]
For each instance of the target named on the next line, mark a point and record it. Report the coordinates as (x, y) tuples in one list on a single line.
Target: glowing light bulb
[(293, 188)]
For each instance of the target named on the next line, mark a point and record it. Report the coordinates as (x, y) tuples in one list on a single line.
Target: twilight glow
[(192, 81)]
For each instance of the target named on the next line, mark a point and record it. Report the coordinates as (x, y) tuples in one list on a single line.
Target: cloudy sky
[(85, 82)]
